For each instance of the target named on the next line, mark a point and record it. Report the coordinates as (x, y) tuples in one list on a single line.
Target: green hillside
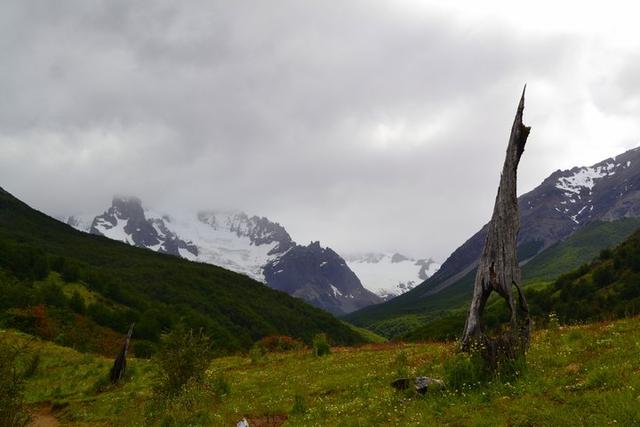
[(606, 288), (83, 290), (581, 375), (411, 310)]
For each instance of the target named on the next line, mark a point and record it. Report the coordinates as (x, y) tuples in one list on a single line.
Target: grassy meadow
[(579, 375)]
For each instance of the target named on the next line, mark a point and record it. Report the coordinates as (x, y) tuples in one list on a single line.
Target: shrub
[(220, 386), (190, 407), (603, 275), (143, 349), (465, 371), (321, 345), (279, 343), (509, 370), (299, 404), (13, 412), (401, 364), (102, 384), (256, 354), (184, 356), (51, 294), (76, 303), (606, 254), (70, 270), (32, 366), (552, 322)]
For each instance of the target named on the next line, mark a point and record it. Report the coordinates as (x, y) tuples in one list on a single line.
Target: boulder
[(424, 384)]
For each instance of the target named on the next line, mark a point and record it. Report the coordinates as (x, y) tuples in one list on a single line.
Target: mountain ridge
[(250, 245), (154, 290), (565, 201)]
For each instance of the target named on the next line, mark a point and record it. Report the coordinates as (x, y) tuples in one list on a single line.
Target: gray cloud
[(365, 126)]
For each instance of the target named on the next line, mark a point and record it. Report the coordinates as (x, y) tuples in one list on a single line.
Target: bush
[(51, 294), (299, 404), (143, 349), (465, 371), (102, 384), (32, 366), (509, 370), (256, 354), (220, 386), (190, 407), (184, 356), (321, 345), (279, 343), (603, 275), (70, 271), (401, 364), (13, 412), (76, 303)]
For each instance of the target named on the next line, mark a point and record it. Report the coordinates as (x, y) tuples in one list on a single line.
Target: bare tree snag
[(498, 269), (120, 364)]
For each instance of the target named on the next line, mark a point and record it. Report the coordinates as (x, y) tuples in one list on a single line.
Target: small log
[(498, 269), (120, 364)]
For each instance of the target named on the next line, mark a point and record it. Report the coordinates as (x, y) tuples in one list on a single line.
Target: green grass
[(581, 247), (367, 335), (580, 375)]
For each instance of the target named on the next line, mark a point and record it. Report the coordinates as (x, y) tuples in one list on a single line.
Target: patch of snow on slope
[(80, 222), (336, 291), (220, 242), (380, 275), (115, 232), (584, 178), (572, 188)]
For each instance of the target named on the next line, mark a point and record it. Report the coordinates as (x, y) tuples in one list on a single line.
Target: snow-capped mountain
[(250, 245), (563, 203), (390, 274)]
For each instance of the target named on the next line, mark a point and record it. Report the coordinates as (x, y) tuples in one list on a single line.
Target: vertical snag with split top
[(120, 364), (498, 269)]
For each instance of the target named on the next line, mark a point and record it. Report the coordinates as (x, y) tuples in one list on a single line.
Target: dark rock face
[(565, 202), (126, 219), (319, 276)]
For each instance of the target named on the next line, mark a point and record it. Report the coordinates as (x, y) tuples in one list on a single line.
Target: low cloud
[(366, 127)]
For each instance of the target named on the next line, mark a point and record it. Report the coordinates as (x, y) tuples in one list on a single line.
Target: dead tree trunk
[(498, 269), (120, 364)]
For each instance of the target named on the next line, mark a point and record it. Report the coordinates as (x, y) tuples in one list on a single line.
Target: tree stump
[(498, 269), (120, 364)]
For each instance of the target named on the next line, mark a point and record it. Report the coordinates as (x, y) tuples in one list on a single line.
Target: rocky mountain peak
[(260, 230), (252, 245), (127, 207), (563, 203)]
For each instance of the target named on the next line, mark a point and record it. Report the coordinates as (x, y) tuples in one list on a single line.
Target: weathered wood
[(120, 364), (498, 268)]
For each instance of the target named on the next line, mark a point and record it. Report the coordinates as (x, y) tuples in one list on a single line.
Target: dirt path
[(42, 417)]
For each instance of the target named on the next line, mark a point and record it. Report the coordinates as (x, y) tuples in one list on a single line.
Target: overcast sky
[(367, 125)]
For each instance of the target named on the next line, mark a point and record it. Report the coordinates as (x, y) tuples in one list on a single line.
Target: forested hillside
[(606, 288), (83, 291), (403, 314)]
